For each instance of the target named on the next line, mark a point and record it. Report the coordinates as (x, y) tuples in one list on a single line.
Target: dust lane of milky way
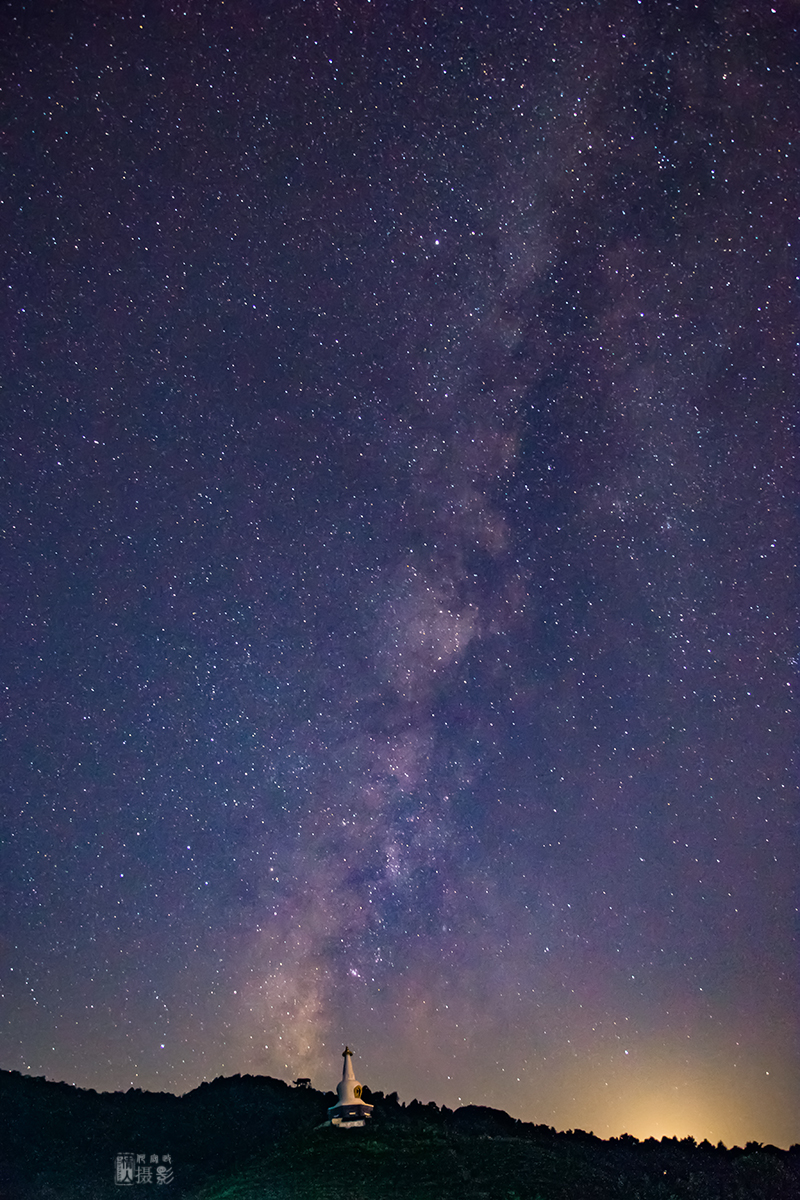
[(400, 554)]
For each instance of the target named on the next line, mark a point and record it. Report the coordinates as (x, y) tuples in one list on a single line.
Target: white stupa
[(349, 1110)]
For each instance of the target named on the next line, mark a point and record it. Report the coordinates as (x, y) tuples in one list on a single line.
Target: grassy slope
[(392, 1162)]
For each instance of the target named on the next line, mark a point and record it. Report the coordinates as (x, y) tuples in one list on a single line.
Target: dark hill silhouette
[(249, 1137)]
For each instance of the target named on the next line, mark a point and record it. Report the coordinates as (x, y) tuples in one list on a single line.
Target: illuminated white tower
[(349, 1109)]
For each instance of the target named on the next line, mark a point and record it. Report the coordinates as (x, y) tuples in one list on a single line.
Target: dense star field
[(399, 552)]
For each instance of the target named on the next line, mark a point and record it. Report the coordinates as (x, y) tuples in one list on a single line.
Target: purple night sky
[(400, 520)]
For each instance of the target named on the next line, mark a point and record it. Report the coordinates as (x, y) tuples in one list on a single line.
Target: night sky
[(399, 543)]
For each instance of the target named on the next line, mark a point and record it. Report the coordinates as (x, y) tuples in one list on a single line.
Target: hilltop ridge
[(247, 1136)]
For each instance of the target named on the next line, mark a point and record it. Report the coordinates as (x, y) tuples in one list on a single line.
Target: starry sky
[(399, 529)]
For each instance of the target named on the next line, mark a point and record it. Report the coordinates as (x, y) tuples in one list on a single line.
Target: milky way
[(400, 548)]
